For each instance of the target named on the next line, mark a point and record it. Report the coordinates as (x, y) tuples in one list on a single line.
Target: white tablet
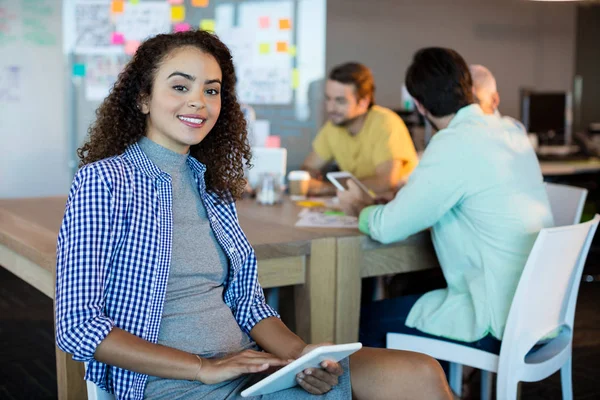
[(340, 179), (286, 377)]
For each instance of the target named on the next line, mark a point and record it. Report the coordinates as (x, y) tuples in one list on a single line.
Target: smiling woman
[(188, 75), (185, 101)]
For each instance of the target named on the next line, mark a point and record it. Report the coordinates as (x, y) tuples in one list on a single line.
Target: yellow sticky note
[(200, 3), (285, 24), (295, 78), (134, 2), (282, 47), (292, 50), (117, 6), (264, 48), (177, 13), (207, 25)]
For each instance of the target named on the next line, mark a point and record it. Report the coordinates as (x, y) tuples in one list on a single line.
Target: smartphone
[(340, 181)]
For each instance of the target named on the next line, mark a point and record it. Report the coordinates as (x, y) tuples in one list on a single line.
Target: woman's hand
[(319, 380), (235, 365)]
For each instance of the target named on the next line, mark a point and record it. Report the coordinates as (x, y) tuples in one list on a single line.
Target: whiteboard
[(46, 108), (32, 111)]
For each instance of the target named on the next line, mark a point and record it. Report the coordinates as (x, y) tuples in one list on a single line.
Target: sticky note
[(282, 47), (134, 2), (292, 50), (273, 142), (200, 3), (78, 69), (264, 22), (117, 6), (131, 47), (117, 38), (175, 2), (182, 27), (207, 25), (285, 24), (177, 13), (264, 48), (295, 78)]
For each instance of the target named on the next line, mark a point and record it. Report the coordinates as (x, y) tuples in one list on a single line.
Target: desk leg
[(348, 285), (69, 376), (315, 300)]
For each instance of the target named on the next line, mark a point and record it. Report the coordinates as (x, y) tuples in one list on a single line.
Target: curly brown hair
[(120, 123)]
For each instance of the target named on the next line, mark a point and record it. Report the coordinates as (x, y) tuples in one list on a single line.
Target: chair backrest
[(566, 203), (547, 291), (267, 159), (95, 393)]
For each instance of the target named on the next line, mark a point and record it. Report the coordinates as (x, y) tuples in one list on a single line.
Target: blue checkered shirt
[(113, 258)]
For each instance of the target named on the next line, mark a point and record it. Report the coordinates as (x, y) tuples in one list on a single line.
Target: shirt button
[(213, 219), (232, 249)]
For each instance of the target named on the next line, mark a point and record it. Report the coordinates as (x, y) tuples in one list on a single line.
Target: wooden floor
[(27, 369)]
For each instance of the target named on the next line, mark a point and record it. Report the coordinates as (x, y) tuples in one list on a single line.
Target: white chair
[(95, 393), (566, 203), (544, 301)]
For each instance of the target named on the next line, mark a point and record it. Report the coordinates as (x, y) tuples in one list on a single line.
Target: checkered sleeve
[(83, 256), (251, 307)]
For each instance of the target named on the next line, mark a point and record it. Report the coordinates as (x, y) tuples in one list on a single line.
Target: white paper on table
[(317, 219)]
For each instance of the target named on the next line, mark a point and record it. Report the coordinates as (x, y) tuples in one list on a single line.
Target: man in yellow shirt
[(367, 140)]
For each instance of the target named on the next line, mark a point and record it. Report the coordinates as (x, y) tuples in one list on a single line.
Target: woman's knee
[(430, 371)]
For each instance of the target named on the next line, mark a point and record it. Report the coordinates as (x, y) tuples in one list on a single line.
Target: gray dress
[(195, 317)]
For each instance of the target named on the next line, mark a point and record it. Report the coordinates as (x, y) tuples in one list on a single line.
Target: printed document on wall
[(266, 77)]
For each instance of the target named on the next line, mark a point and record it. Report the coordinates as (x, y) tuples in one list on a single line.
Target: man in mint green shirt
[(479, 188)]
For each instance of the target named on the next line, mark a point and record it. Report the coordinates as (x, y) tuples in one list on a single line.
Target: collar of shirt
[(140, 161)]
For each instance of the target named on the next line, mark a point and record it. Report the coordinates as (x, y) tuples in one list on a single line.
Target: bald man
[(484, 89)]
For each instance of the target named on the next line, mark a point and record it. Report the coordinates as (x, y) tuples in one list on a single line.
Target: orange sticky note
[(131, 47), (264, 48), (282, 47), (177, 13), (117, 6), (285, 24), (264, 22), (200, 3)]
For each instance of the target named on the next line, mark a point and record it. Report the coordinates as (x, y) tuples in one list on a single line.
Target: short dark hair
[(440, 80), (358, 75)]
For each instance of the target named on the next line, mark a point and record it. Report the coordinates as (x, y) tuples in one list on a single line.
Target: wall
[(588, 64), (524, 43), (33, 148)]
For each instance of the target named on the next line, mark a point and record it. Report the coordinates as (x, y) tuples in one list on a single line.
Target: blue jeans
[(389, 315)]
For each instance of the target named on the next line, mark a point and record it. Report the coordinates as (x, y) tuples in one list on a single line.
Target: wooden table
[(325, 265), (562, 168)]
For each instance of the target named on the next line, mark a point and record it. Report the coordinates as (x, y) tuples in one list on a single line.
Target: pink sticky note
[(263, 22), (182, 27), (131, 47), (175, 1), (117, 38), (273, 141)]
